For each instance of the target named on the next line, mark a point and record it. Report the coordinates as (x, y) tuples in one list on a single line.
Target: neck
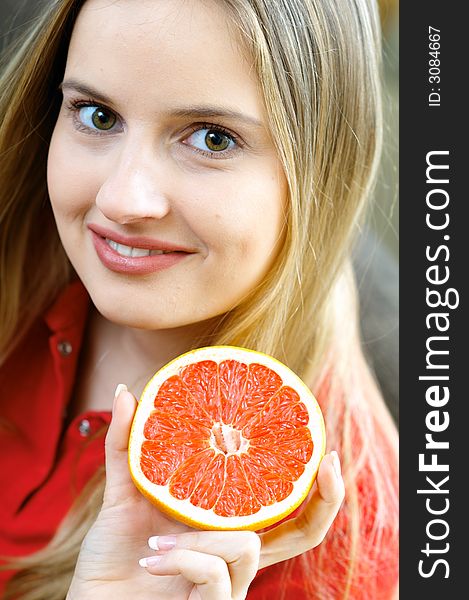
[(118, 354)]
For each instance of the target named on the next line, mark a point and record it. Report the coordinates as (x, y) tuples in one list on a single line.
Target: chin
[(131, 316)]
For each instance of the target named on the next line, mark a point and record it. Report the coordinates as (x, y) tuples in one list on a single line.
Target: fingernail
[(120, 388), (336, 463), (162, 542), (150, 561)]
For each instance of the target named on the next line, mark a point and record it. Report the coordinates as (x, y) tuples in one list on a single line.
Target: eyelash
[(74, 106)]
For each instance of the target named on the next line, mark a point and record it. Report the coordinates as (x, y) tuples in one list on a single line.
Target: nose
[(134, 187)]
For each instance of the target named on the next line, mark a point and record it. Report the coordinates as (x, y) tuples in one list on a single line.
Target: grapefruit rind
[(183, 510)]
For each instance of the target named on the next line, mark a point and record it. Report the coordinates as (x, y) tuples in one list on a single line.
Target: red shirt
[(45, 462), (44, 466)]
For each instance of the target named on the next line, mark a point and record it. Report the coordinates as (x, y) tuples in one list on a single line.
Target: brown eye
[(213, 141), (216, 141), (103, 119), (96, 117)]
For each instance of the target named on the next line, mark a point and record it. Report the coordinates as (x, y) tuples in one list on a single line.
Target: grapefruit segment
[(233, 377), (211, 485), (159, 460), (267, 485), (175, 398), (185, 479), (261, 385), (290, 442), (236, 498), (226, 438), (201, 379), (285, 467), (282, 412), (165, 427)]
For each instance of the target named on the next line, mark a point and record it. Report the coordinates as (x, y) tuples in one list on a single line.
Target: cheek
[(247, 223), (259, 224), (70, 180)]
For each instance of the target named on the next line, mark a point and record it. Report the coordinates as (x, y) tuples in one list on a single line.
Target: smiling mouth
[(130, 259), (133, 252)]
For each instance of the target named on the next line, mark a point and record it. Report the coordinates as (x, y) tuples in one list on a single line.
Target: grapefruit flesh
[(226, 438)]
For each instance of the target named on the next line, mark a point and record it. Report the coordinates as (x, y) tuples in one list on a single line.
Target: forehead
[(161, 47)]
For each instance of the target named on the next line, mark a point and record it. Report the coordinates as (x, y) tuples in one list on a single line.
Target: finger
[(240, 551), (209, 573), (117, 471), (309, 529)]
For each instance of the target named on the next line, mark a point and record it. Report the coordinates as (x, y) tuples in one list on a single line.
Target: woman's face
[(166, 188)]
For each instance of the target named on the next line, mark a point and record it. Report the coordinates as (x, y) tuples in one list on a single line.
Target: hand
[(189, 565)]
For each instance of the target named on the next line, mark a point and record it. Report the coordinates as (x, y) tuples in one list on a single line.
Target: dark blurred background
[(376, 256)]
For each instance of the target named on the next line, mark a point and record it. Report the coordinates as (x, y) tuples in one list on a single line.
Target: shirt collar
[(70, 307)]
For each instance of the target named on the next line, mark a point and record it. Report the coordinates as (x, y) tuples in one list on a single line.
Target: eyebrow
[(208, 112), (199, 111)]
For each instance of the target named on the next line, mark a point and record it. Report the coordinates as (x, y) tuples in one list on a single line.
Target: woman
[(176, 174)]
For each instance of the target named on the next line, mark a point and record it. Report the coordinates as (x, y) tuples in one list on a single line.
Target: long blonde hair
[(317, 62)]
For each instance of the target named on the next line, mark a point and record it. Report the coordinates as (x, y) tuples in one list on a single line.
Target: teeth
[(124, 250), (120, 248), (140, 252)]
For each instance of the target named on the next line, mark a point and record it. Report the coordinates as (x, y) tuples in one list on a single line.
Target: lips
[(137, 255), (141, 242)]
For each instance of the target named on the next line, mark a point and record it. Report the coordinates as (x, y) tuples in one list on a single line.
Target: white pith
[(233, 441), (208, 519), (124, 250)]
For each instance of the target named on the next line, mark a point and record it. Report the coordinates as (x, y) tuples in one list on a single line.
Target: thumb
[(117, 471)]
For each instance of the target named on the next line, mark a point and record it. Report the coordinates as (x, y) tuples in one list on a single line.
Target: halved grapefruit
[(226, 438)]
